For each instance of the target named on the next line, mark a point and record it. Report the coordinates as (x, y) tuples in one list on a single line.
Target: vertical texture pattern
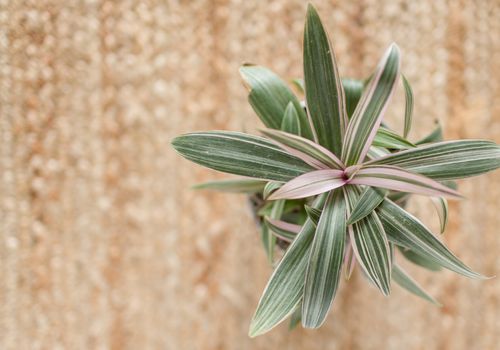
[(103, 245)]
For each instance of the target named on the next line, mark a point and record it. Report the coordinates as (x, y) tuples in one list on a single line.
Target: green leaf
[(325, 261), (419, 260), (353, 89), (435, 136), (447, 160), (370, 109), (313, 214), (295, 318), (441, 205), (233, 185), (270, 187), (324, 92), (240, 154), (291, 122), (371, 247), (282, 229), (311, 153), (276, 212), (408, 106), (285, 287), (405, 281), (268, 242), (389, 139), (270, 96), (367, 202), (299, 84), (405, 230)]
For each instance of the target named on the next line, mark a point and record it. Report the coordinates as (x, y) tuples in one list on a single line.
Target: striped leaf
[(405, 281), (291, 122), (370, 198), (419, 260), (435, 136), (389, 139), (370, 109), (447, 160), (353, 89), (233, 185), (349, 261), (310, 152), (371, 247), (324, 92), (270, 187), (310, 184), (441, 205), (408, 106), (313, 214), (405, 230), (269, 97), (240, 154), (284, 289), (283, 230), (397, 179), (325, 261), (295, 318)]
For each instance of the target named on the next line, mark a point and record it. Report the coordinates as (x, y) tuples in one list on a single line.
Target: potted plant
[(329, 181)]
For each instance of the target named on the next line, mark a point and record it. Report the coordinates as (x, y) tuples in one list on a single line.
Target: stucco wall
[(103, 245)]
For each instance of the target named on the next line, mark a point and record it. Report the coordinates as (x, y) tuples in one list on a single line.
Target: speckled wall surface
[(103, 245)]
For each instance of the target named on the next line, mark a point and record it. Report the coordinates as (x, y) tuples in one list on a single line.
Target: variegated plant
[(331, 183)]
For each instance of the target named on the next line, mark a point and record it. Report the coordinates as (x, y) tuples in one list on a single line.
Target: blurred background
[(102, 243)]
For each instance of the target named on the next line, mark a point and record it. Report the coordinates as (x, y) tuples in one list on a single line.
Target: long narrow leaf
[(419, 260), (389, 139), (310, 152), (405, 230), (233, 185), (435, 136), (353, 89), (324, 91), (313, 214), (240, 154), (367, 202), (398, 179), (270, 96), (285, 287), (325, 261), (408, 106), (447, 160), (270, 187), (371, 247), (283, 230), (441, 205), (291, 122), (370, 109), (310, 184), (405, 281)]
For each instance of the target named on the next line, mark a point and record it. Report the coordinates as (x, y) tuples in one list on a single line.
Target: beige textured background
[(102, 244)]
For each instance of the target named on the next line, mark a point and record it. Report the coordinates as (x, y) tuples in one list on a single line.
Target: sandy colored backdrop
[(103, 245)]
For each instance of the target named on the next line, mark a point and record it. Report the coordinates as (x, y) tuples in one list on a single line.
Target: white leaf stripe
[(269, 97), (284, 289), (402, 278), (283, 230), (447, 160), (323, 86), (441, 205), (371, 247), (310, 184), (325, 261), (398, 179), (408, 106), (290, 122), (370, 198), (370, 109), (299, 146), (233, 185), (405, 230), (389, 139), (240, 154)]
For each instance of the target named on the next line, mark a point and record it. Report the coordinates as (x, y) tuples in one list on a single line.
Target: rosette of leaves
[(331, 181)]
